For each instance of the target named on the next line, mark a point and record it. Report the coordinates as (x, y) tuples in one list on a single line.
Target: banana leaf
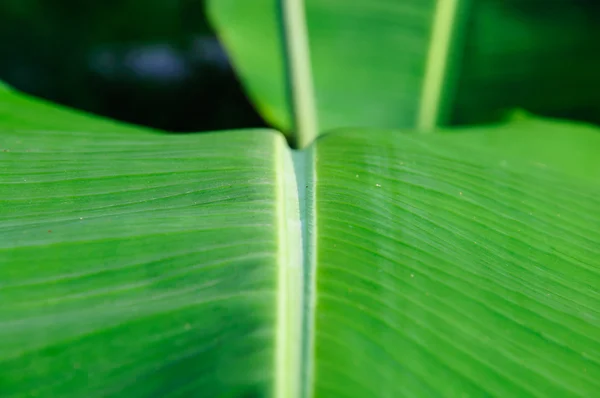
[(421, 63), (139, 264)]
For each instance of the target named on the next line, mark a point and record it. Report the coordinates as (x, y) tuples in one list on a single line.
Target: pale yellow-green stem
[(299, 74), (437, 65)]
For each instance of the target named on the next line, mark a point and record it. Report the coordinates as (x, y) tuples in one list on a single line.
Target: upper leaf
[(418, 63)]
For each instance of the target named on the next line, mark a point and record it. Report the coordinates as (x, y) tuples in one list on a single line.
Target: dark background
[(156, 63)]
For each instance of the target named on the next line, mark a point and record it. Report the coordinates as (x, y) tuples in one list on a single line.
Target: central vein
[(294, 377), (296, 271), (304, 167)]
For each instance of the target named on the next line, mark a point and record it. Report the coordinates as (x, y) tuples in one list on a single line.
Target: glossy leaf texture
[(138, 264), (458, 264), (414, 63), (134, 263)]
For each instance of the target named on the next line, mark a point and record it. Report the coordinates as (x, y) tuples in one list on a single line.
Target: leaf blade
[(371, 67), (130, 262), (447, 266)]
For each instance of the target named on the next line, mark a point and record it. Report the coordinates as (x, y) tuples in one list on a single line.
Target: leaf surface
[(138, 264), (452, 265)]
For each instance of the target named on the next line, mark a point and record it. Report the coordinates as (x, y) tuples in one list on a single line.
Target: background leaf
[(371, 58)]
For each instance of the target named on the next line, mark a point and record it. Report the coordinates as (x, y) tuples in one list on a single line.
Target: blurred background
[(158, 63), (151, 62)]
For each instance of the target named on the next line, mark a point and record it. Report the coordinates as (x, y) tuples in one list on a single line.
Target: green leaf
[(447, 266), (421, 63), (4, 86), (138, 264), (23, 112)]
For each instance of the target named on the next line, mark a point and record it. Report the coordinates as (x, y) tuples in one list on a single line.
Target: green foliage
[(448, 267), (134, 263), (375, 262), (375, 61), (139, 264)]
